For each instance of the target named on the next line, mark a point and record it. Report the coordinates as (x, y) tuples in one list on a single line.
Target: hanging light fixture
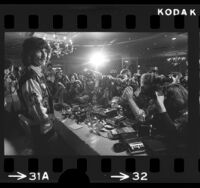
[(60, 46), (176, 60)]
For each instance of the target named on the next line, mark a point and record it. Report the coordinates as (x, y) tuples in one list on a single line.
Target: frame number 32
[(139, 176)]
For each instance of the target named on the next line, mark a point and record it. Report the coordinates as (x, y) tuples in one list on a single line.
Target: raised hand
[(128, 93), (160, 102)]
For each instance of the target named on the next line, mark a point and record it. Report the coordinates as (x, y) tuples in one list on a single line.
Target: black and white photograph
[(95, 93)]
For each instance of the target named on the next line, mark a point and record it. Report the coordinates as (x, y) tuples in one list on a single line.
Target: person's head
[(176, 99), (154, 70), (36, 52), (90, 84), (60, 75), (81, 77), (49, 66), (78, 85), (150, 83), (113, 72), (51, 77), (73, 78), (186, 77), (126, 73)]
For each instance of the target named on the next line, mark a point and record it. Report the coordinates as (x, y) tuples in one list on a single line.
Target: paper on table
[(75, 126)]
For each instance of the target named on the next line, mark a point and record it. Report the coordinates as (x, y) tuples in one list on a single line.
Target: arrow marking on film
[(19, 176), (122, 177)]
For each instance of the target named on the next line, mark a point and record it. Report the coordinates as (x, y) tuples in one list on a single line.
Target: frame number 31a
[(38, 176)]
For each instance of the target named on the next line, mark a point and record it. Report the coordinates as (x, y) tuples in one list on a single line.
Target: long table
[(83, 141)]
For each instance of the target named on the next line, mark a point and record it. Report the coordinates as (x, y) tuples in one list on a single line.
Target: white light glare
[(98, 59), (173, 38)]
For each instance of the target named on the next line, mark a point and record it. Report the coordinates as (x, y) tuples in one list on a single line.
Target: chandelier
[(61, 48), (175, 61), (61, 45)]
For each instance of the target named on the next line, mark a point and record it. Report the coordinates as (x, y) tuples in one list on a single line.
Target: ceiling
[(131, 44)]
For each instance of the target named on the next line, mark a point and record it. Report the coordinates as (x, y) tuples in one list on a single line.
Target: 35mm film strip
[(138, 37)]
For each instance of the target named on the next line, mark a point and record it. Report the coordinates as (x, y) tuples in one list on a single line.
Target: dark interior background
[(144, 49)]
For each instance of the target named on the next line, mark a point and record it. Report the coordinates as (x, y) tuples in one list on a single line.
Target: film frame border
[(125, 18)]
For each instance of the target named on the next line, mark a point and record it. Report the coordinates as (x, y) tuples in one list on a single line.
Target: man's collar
[(37, 70)]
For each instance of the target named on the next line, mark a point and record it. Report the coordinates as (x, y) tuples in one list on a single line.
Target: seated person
[(103, 96), (170, 114), (88, 92), (184, 81), (76, 92), (126, 73)]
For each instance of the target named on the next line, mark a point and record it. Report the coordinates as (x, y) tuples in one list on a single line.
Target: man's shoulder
[(28, 78), (28, 74)]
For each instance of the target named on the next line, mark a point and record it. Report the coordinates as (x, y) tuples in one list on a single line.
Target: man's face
[(73, 79), (60, 75), (49, 67), (81, 77), (39, 57), (90, 84), (6, 71), (124, 76), (51, 78), (186, 77)]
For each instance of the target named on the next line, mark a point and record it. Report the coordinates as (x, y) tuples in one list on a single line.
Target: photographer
[(170, 107), (76, 92), (184, 81), (176, 77), (116, 85), (60, 87)]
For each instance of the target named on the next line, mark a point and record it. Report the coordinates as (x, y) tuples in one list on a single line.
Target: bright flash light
[(98, 59)]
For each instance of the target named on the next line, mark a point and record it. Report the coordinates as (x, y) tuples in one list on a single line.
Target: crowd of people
[(94, 87), (162, 100)]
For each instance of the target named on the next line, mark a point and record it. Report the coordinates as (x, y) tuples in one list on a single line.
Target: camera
[(153, 84)]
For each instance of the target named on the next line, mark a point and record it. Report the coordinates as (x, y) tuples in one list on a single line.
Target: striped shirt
[(36, 98)]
